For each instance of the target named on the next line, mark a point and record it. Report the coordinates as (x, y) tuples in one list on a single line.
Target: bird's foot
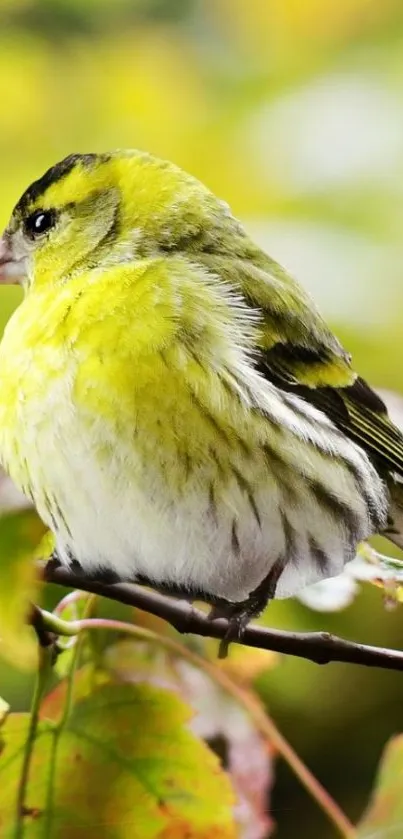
[(239, 614)]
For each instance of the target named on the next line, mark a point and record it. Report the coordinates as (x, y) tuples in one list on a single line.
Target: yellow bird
[(172, 401)]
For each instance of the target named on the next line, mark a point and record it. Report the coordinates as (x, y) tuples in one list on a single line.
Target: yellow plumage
[(164, 392)]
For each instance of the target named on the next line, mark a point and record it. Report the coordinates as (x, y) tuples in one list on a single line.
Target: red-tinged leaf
[(20, 533), (124, 766), (384, 817), (219, 720), (86, 680)]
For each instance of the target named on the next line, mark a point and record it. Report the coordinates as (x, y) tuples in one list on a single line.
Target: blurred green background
[(291, 110)]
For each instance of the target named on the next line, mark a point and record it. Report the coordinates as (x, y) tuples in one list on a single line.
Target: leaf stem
[(44, 669), (89, 606), (60, 628)]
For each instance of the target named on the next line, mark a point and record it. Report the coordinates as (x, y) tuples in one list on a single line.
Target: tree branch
[(319, 647)]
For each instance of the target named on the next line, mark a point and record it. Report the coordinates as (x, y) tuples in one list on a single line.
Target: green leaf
[(125, 766), (384, 817), (20, 533), (218, 718)]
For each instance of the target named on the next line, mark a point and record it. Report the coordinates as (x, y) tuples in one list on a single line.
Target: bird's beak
[(11, 269)]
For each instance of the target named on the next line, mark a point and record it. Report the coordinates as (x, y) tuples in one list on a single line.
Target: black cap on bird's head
[(34, 216), (53, 175), (59, 219)]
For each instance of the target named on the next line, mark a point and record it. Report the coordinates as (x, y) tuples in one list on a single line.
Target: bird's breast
[(147, 461)]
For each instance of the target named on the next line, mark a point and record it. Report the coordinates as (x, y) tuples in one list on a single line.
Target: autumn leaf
[(218, 719), (124, 766), (384, 817)]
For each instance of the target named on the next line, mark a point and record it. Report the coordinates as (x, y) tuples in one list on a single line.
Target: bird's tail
[(394, 531)]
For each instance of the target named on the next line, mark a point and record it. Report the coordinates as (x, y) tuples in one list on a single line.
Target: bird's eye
[(39, 223)]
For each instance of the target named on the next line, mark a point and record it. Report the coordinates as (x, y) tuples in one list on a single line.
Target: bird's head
[(92, 209)]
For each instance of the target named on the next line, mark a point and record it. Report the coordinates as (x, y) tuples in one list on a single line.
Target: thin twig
[(319, 647), (267, 727)]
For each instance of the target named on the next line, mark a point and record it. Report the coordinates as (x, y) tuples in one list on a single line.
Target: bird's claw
[(238, 616)]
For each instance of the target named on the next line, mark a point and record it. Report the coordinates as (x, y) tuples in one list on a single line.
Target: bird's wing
[(298, 353)]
